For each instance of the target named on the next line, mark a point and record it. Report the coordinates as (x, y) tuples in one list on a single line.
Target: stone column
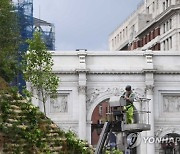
[(82, 93)]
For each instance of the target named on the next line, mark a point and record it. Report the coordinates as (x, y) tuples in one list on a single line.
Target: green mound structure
[(26, 130)]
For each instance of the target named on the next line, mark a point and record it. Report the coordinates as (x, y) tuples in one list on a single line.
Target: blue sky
[(84, 24)]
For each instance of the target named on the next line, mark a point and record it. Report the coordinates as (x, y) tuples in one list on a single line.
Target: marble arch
[(89, 77)]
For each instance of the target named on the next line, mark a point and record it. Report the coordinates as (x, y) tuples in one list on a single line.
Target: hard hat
[(128, 88)]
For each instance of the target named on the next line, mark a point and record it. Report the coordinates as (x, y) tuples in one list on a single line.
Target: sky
[(84, 24)]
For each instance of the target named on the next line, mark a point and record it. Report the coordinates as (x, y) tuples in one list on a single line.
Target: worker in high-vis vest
[(129, 108)]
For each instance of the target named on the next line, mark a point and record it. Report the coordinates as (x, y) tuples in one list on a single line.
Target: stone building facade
[(155, 25), (88, 78)]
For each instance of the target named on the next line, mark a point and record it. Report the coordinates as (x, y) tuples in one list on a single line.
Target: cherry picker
[(118, 124)]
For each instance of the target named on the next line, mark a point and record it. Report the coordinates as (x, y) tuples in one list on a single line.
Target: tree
[(38, 64), (9, 41)]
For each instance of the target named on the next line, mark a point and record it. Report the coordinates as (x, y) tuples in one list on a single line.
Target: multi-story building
[(155, 25)]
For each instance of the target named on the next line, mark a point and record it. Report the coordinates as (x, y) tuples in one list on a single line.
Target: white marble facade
[(90, 77)]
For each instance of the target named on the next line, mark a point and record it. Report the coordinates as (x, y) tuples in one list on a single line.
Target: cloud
[(83, 23)]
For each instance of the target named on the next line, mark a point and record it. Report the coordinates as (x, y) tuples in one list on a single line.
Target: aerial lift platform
[(117, 122)]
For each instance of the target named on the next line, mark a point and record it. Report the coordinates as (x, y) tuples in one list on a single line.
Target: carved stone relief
[(94, 93), (149, 88), (171, 103), (59, 104)]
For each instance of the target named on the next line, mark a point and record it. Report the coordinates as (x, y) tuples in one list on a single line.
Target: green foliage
[(9, 41), (76, 145), (114, 151), (37, 68), (20, 121), (27, 130)]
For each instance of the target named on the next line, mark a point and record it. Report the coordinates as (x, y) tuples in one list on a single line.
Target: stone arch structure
[(101, 97), (89, 77), (96, 96)]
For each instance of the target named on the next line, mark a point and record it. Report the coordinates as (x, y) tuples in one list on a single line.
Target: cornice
[(65, 72), (155, 71), (114, 72), (168, 72), (149, 71), (82, 70)]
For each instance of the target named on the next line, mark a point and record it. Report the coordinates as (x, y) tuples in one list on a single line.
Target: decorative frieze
[(59, 104), (95, 93), (171, 104)]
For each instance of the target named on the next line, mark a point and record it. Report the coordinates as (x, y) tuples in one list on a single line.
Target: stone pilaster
[(149, 95), (149, 90), (82, 94)]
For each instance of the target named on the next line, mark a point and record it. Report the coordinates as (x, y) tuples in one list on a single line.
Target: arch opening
[(170, 144), (99, 116)]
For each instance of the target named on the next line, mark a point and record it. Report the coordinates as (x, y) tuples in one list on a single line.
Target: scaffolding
[(47, 32), (24, 10), (27, 25), (25, 15)]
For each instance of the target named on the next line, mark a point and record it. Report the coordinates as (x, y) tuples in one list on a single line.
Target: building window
[(170, 23), (100, 110), (164, 28), (153, 33), (123, 33), (120, 35), (112, 42), (167, 4), (153, 6), (158, 31), (100, 121), (148, 10), (167, 25), (126, 31), (164, 6), (170, 42), (167, 43), (118, 38), (157, 3), (164, 45)]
